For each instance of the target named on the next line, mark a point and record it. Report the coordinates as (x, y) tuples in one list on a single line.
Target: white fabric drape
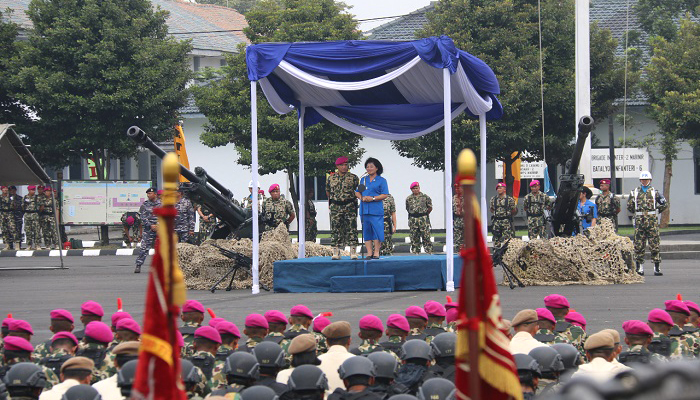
[(302, 189), (254, 197), (447, 102), (482, 171)]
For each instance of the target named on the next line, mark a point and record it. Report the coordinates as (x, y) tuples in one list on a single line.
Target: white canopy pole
[(449, 238), (583, 82), (302, 188), (254, 195), (482, 171)]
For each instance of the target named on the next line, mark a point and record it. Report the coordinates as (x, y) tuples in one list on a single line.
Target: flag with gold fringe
[(181, 150), (496, 367), (158, 373)]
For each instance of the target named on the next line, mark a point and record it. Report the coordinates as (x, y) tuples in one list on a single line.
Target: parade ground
[(31, 294)]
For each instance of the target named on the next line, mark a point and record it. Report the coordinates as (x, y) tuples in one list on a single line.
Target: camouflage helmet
[(259, 393), (25, 374), (307, 377), (189, 372), (416, 349), (356, 366), (524, 362), (570, 356), (549, 359), (243, 365), (444, 344), (385, 365), (269, 354), (437, 389), (82, 392)]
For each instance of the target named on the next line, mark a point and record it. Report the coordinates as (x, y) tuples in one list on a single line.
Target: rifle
[(240, 263), (508, 273)]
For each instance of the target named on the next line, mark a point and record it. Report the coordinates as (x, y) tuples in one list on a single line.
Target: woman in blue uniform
[(587, 208), (375, 189)]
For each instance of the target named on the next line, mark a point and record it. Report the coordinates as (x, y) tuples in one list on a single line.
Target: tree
[(673, 88), (91, 69), (242, 6), (11, 110), (505, 35), (225, 98)]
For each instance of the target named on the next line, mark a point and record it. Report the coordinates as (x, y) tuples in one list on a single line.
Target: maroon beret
[(434, 309), (556, 301), (452, 315), (180, 339), (119, 315), (676, 306), (341, 160), (92, 308), (207, 332), (398, 321), (692, 306), (99, 331), (256, 321), (545, 314), (275, 317), (371, 322), (605, 181), (20, 325), (576, 318), (64, 335), (301, 310), (62, 314), (6, 322), (229, 328), (193, 306), (214, 321), (635, 327), (16, 343), (320, 323), (660, 316), (416, 312), (128, 324)]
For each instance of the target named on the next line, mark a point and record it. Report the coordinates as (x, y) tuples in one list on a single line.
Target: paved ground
[(31, 294)]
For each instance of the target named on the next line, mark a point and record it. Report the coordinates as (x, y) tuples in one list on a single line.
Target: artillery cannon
[(206, 190)]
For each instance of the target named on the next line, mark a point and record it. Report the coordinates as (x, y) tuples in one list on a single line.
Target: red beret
[(129, 220), (62, 314), (119, 315), (20, 325), (65, 335), (676, 306), (180, 339), (341, 160), (556, 301), (159, 191), (371, 322), (534, 182), (276, 317), (576, 318), (545, 314), (635, 327), (229, 328), (214, 321), (605, 181), (31, 187), (207, 332), (6, 322), (92, 308), (47, 189), (274, 186), (660, 316), (451, 304), (320, 323), (692, 306), (500, 184), (416, 312), (301, 310), (193, 306), (128, 324), (434, 308), (414, 184), (398, 321), (256, 321), (16, 343), (452, 314), (99, 331)]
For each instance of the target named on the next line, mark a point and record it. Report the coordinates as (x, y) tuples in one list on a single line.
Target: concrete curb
[(71, 253)]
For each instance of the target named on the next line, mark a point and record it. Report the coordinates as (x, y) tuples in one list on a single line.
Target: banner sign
[(629, 162)]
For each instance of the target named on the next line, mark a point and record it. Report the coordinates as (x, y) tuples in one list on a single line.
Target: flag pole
[(171, 177), (466, 167)]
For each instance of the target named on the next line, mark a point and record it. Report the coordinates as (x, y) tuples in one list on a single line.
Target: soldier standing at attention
[(535, 204), (458, 218), (419, 205), (150, 222), (608, 204), (131, 225), (277, 210), (646, 203), (207, 222), (503, 208), (387, 246), (310, 225), (18, 213), (48, 219), (7, 220), (32, 230), (248, 200), (340, 189), (184, 220)]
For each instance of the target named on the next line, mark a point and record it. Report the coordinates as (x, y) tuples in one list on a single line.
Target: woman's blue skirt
[(373, 227)]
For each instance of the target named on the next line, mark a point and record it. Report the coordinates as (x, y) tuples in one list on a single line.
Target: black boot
[(137, 270), (657, 270), (640, 269)]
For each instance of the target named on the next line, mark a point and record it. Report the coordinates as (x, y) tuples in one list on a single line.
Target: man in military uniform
[(397, 329), (276, 210), (340, 189), (680, 314), (131, 226), (691, 327), (48, 218), (7, 219), (419, 205), (18, 213), (608, 204), (371, 330), (436, 317), (418, 320), (546, 333), (503, 208), (207, 222), (17, 350), (387, 246), (529, 374), (150, 222), (535, 203), (310, 224), (98, 335), (32, 229), (637, 337), (256, 329), (192, 317), (247, 202), (458, 218), (206, 343), (184, 220), (645, 204), (559, 306), (661, 343)]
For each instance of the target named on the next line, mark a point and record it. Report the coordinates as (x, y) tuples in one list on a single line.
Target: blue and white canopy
[(384, 90)]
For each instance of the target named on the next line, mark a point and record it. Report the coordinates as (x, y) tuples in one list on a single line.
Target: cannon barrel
[(200, 172), (585, 125), (142, 138)]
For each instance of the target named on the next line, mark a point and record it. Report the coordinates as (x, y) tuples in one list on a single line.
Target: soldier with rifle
[(608, 204), (535, 204), (503, 208), (645, 204)]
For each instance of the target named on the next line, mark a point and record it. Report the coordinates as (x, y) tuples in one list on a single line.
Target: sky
[(382, 8)]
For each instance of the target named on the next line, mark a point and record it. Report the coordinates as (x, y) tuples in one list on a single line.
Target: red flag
[(499, 376)]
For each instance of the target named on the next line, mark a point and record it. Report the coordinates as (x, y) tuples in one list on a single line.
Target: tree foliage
[(660, 17), (242, 6), (92, 68), (11, 110)]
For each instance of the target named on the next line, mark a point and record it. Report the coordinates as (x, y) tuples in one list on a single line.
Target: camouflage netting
[(602, 258), (204, 265)]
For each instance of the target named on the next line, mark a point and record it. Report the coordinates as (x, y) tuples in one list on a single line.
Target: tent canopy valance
[(18, 165), (385, 90)]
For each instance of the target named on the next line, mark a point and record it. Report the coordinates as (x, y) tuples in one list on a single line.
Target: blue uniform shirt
[(374, 188), (585, 209)]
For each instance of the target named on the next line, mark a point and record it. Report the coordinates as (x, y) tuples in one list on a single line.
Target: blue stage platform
[(314, 274)]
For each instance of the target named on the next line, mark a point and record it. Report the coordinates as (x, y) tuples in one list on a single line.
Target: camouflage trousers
[(387, 247), (458, 233), (205, 230), (536, 228), (32, 229), (147, 242), (647, 230), (7, 225), (48, 230), (184, 237), (310, 230), (420, 234), (19, 221), (502, 231), (134, 235), (343, 226)]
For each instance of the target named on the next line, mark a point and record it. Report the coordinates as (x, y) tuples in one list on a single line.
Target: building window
[(195, 63), (317, 184), (154, 171), (222, 62)]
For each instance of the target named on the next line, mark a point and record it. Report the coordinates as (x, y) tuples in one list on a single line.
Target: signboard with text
[(94, 202), (629, 162)]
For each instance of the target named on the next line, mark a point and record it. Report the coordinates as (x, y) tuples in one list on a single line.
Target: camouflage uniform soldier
[(387, 246), (150, 222), (131, 221), (503, 208), (419, 205), (7, 219), (207, 222), (458, 218), (340, 189), (48, 219), (680, 314), (645, 203), (18, 213), (535, 203), (546, 332), (608, 204), (32, 229), (310, 225), (184, 220), (247, 202), (558, 305), (277, 210)]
